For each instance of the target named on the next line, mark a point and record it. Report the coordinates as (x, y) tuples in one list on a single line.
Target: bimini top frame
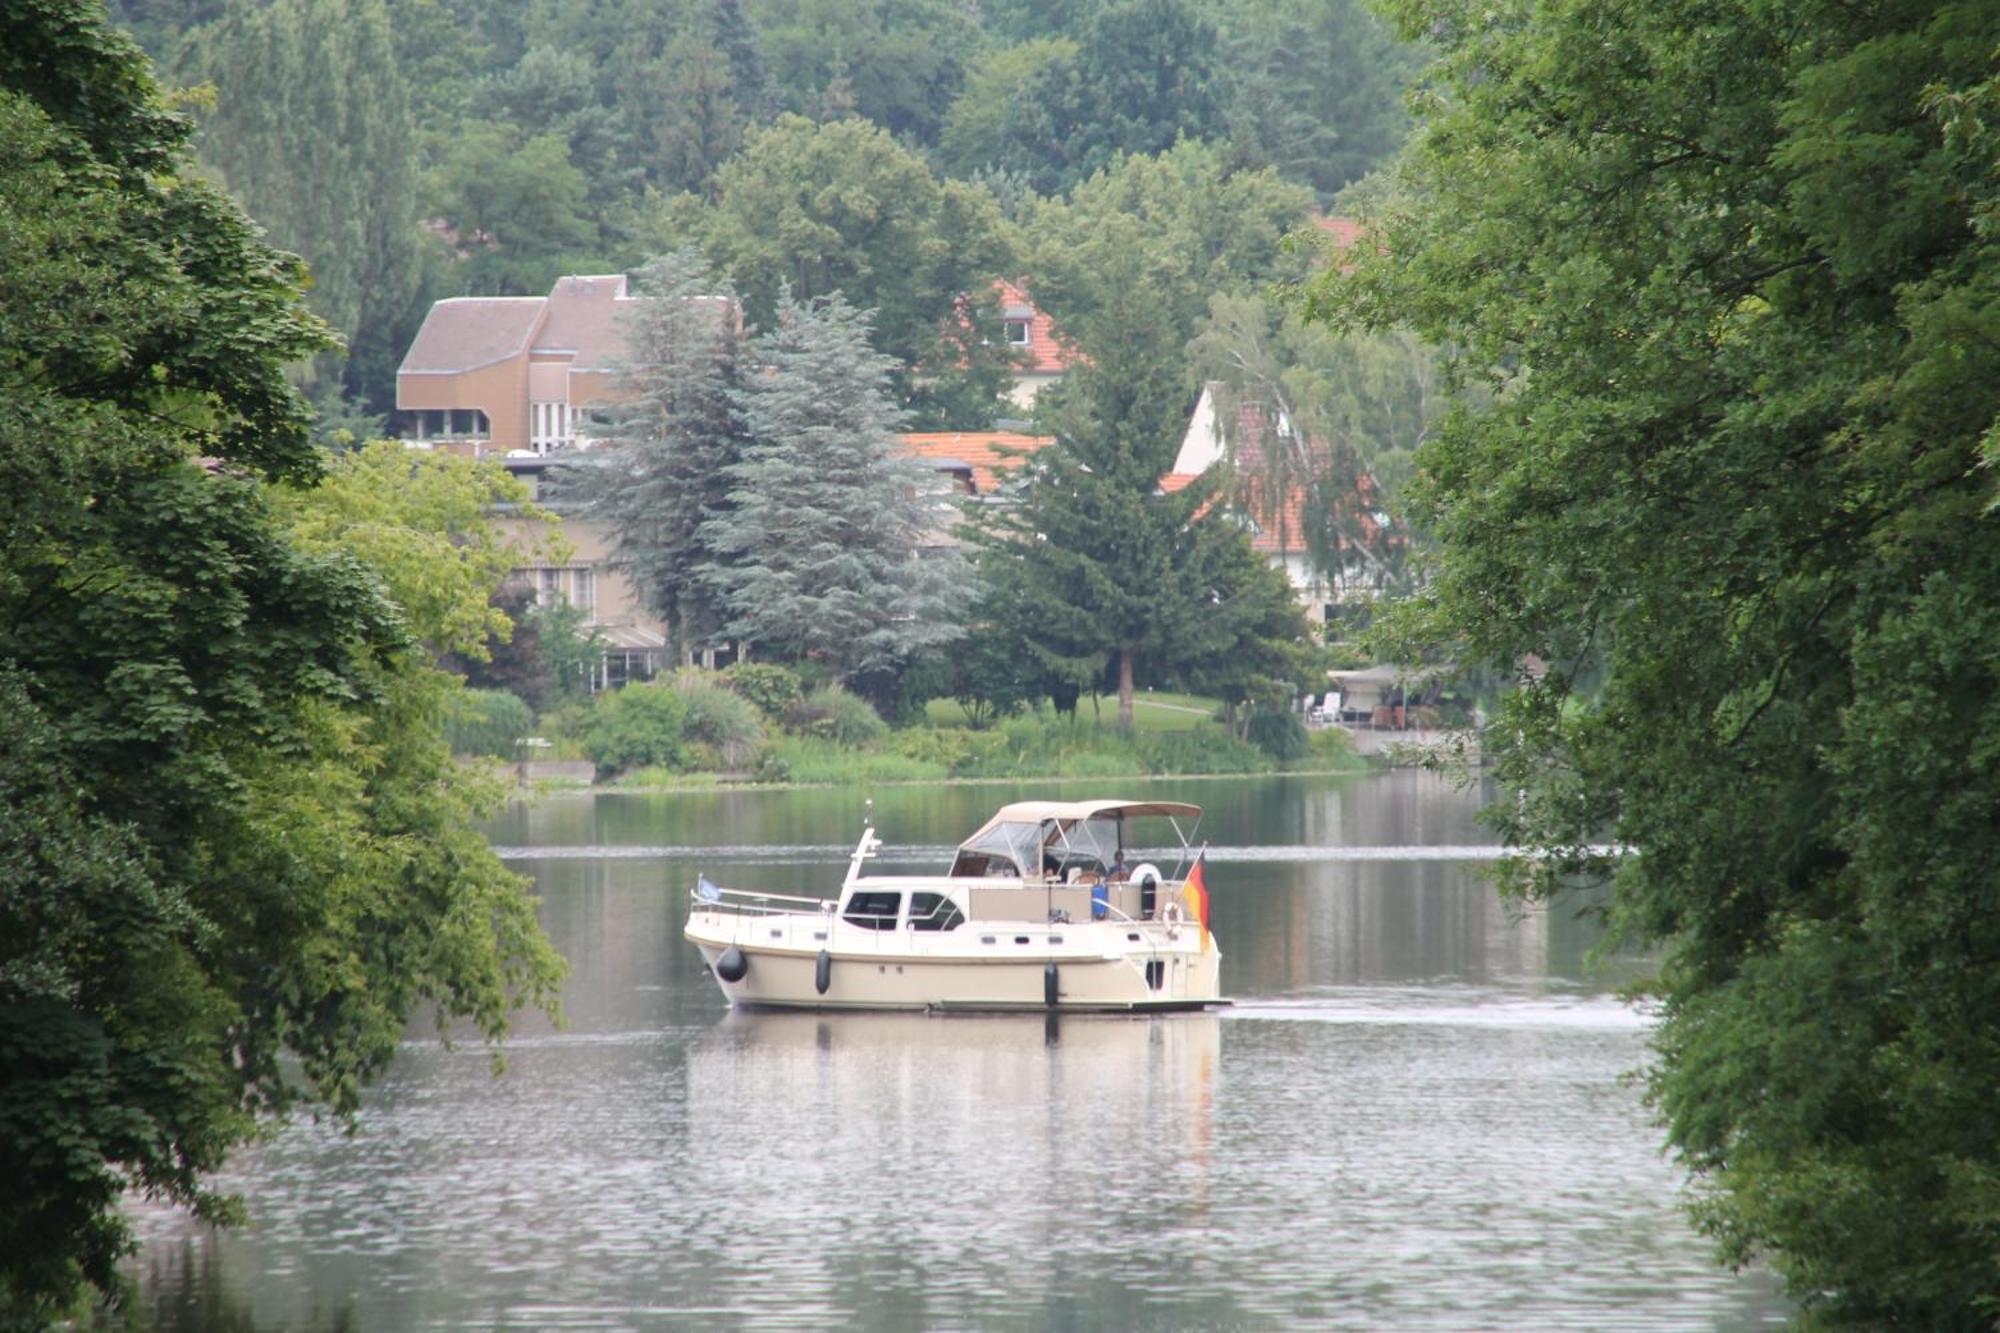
[(1023, 834), (1065, 812)]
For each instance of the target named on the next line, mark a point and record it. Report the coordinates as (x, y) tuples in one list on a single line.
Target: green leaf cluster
[(843, 209), (638, 726), (772, 688), (1730, 277), (235, 855)]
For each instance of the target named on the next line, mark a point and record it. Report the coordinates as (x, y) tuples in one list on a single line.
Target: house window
[(446, 423), (575, 585), (1017, 332), (551, 425)]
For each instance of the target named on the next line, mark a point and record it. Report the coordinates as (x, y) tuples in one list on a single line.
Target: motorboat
[(1039, 910)]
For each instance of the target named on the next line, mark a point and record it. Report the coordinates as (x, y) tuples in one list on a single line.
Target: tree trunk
[(1125, 690)]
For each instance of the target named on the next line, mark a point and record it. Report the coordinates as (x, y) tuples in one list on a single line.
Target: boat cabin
[(1033, 861)]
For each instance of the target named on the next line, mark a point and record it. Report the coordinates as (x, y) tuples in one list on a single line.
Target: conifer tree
[(819, 555), (672, 439), (1099, 566)]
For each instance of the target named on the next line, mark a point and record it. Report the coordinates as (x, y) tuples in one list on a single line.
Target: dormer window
[(1017, 332)]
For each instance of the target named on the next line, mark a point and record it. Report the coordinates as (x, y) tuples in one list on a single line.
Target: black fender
[(732, 965), (1050, 985), (823, 972)]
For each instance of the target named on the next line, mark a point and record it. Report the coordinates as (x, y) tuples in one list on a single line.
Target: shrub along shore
[(763, 725)]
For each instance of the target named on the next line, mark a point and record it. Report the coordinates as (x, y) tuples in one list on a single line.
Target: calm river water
[(1417, 1115)]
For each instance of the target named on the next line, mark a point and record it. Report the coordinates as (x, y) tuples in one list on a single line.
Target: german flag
[(1194, 892)]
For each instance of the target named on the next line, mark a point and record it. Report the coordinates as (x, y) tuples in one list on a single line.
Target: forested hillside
[(415, 149)]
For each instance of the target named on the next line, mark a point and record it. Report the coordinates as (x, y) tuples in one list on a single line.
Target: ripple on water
[(1358, 1160)]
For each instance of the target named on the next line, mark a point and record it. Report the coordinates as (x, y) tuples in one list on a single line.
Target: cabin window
[(934, 911), (873, 910)]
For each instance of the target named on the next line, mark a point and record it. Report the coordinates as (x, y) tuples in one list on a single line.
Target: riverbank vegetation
[(1731, 277), (238, 856), (703, 726)]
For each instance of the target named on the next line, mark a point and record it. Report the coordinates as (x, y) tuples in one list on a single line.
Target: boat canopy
[(1030, 837), (1066, 812)]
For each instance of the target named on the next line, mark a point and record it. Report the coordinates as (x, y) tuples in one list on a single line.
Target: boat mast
[(864, 849)]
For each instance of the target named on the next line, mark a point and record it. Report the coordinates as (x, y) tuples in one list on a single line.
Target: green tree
[(662, 476), (1315, 88), (558, 91), (515, 202), (515, 664), (844, 208), (820, 557), (311, 129), (894, 62), (1146, 79), (1336, 419), (1246, 643), (1201, 225), (236, 857), (1008, 116), (1126, 78), (706, 116), (1732, 276), (1096, 566)]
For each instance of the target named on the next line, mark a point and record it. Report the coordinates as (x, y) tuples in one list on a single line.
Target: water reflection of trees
[(186, 1288)]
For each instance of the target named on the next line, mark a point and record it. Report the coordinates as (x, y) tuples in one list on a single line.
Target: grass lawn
[(1152, 710)]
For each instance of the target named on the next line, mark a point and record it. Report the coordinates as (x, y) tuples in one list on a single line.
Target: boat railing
[(754, 902)]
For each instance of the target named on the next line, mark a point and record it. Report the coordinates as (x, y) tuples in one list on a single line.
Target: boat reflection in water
[(954, 1125)]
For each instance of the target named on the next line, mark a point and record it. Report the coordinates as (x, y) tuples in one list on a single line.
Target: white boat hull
[(1107, 966)]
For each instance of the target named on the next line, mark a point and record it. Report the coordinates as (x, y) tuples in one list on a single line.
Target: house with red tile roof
[(978, 462), (1040, 358), (1345, 233), (1275, 503)]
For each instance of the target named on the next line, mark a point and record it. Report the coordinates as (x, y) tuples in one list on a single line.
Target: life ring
[(1173, 916)]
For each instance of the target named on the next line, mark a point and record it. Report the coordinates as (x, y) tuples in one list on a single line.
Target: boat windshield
[(1046, 846), (1016, 846), (1091, 844)]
